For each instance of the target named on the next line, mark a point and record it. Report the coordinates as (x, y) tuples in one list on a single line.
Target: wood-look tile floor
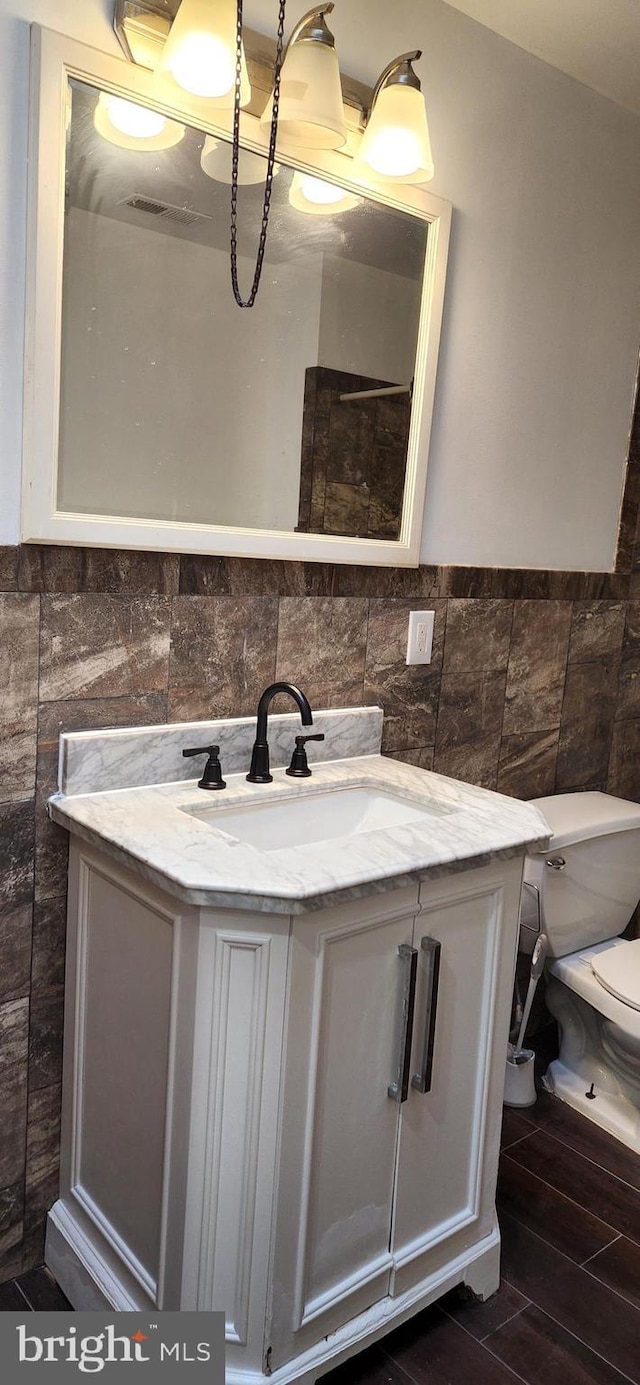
[(568, 1309)]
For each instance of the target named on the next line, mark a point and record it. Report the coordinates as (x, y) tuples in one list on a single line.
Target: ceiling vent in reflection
[(181, 216)]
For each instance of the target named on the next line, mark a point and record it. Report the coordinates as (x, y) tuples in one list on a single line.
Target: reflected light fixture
[(317, 197), (396, 144), (216, 162), (200, 52), (204, 54), (311, 114), (131, 126)]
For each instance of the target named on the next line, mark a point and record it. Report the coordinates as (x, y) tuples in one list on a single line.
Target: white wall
[(543, 306), (146, 415), (382, 311)]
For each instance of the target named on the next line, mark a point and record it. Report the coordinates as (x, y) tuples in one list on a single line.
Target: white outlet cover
[(420, 637)]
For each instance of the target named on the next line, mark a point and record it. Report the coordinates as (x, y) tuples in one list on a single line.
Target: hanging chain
[(235, 156)]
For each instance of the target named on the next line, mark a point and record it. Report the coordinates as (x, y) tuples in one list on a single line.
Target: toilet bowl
[(582, 891)]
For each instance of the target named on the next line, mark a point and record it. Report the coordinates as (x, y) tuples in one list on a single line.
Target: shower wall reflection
[(354, 455)]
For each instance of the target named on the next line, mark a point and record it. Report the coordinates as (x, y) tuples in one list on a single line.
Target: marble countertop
[(151, 831)]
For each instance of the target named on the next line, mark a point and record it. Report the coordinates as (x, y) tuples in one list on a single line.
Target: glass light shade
[(134, 127), (215, 161), (200, 52), (311, 114), (396, 142), (318, 198)]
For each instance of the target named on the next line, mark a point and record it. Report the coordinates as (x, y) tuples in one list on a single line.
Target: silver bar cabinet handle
[(398, 1090), (431, 948)]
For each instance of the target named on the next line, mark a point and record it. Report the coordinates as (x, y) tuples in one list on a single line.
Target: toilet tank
[(588, 880)]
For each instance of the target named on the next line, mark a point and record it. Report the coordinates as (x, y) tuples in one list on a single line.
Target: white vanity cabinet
[(380, 1200), (229, 1139)]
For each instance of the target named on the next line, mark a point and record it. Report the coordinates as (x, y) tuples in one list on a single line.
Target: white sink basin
[(314, 817)]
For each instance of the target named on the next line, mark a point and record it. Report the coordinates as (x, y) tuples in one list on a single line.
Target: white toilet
[(582, 892)]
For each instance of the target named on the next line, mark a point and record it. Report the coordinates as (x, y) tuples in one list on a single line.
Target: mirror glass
[(177, 405)]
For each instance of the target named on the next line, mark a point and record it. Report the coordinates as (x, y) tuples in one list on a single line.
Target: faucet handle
[(212, 776), (299, 767)]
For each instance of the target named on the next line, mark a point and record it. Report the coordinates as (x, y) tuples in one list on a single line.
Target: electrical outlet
[(420, 637)]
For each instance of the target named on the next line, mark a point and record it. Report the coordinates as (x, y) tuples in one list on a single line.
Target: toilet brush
[(519, 1085), (537, 964)]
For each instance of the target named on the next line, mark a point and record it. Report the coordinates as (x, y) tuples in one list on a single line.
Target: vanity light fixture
[(200, 52), (204, 53), (396, 144), (311, 112), (216, 161), (317, 197), (131, 126)]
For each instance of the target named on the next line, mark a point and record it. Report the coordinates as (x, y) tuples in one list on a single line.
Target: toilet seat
[(618, 970)]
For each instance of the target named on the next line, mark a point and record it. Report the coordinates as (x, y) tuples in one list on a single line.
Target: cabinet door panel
[(442, 1129), (123, 1070), (340, 1126)]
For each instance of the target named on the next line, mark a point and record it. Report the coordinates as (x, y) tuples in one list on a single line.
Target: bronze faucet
[(259, 772)]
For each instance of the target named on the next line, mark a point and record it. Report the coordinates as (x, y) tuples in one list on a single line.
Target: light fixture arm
[(318, 32), (401, 73)]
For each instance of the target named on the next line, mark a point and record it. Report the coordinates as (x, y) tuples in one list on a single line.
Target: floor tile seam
[(602, 1168), (615, 1231), (615, 1291), (21, 1291), (560, 1191), (563, 1326), (398, 1365), (459, 1323), (511, 1317), (633, 1236), (445, 1314), (504, 1149), (620, 1237), (537, 1237), (504, 1364)]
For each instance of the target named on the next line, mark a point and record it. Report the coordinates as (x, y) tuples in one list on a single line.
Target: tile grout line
[(574, 1335), (618, 1237), (387, 1357), (21, 1291), (511, 1318), (569, 1261), (620, 659), (29, 1077), (421, 1381), (481, 1343), (601, 1167), (565, 680), (504, 695), (482, 1340), (613, 1290), (566, 1198), (504, 1149)]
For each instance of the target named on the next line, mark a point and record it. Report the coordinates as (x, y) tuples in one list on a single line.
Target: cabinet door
[(447, 1154), (339, 1129)]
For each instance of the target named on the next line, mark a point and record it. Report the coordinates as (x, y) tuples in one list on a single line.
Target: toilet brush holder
[(519, 1084)]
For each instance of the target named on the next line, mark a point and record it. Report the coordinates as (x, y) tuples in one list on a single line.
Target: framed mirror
[(159, 414)]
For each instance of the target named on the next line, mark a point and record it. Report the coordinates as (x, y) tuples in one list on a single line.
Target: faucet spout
[(259, 772)]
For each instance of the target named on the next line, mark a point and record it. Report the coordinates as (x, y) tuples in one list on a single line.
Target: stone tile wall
[(534, 686)]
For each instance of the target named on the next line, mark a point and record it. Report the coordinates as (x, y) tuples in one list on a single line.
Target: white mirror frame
[(56, 59)]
